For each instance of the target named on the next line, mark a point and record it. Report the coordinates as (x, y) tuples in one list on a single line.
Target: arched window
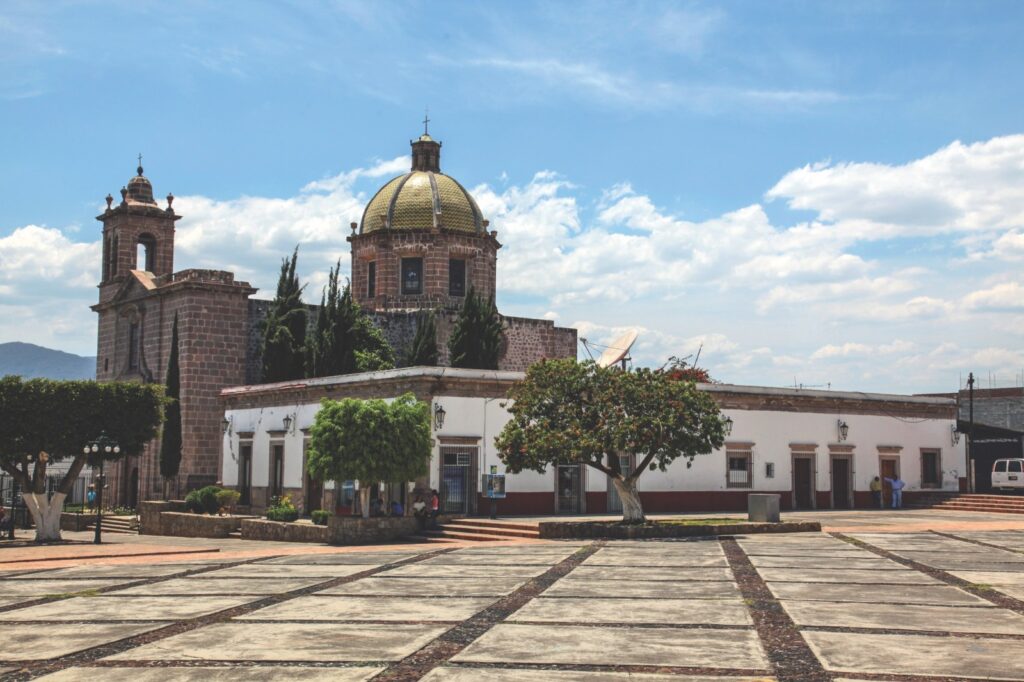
[(145, 253)]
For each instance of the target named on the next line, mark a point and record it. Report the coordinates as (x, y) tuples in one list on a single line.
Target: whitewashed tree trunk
[(632, 510), (364, 502), (46, 514)]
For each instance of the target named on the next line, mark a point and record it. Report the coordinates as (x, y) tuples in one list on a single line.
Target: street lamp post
[(103, 445)]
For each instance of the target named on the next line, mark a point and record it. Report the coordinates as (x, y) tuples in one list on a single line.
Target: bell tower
[(137, 235)]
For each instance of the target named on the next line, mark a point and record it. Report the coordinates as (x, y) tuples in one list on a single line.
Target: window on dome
[(371, 279), (456, 277), (412, 276)]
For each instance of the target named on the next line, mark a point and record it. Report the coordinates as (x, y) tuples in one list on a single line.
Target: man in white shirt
[(897, 491)]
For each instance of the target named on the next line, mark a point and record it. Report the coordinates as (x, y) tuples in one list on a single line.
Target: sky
[(815, 194)]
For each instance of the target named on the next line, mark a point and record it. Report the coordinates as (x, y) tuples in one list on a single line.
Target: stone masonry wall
[(996, 407)]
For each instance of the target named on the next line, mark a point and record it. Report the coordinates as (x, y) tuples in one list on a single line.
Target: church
[(421, 244)]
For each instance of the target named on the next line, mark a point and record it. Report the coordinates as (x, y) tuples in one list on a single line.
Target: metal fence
[(11, 495)]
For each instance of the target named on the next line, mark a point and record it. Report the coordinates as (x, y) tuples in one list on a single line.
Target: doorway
[(457, 481), (314, 488), (842, 481), (803, 482), (614, 501), (889, 467), (569, 493), (245, 474), (931, 469)]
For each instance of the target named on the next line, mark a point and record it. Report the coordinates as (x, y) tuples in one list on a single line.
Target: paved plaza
[(811, 606)]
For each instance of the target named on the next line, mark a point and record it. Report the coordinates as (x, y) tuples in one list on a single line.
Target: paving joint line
[(991, 595), (788, 653), (31, 669), (440, 651), (612, 668)]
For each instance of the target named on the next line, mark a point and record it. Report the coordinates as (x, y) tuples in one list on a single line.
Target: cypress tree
[(284, 334), (476, 339), (423, 352), (170, 441)]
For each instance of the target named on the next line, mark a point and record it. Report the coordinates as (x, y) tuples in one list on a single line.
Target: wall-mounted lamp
[(954, 435), (439, 414), (287, 421), (225, 425), (844, 430), (727, 426)]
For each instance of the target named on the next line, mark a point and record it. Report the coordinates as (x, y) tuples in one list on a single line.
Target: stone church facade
[(421, 245)]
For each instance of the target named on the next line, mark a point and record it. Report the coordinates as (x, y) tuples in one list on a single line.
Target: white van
[(1008, 474)]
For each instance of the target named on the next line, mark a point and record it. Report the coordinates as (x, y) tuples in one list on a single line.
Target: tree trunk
[(632, 510), (364, 502), (46, 515)]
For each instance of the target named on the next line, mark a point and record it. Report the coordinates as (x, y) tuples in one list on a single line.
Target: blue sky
[(826, 193)]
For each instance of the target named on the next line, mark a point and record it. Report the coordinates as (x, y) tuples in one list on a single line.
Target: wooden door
[(889, 467), (841, 483), (803, 483)]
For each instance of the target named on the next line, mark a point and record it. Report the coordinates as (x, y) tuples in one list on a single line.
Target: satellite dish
[(617, 351)]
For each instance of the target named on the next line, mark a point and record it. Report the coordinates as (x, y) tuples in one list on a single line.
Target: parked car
[(1008, 474)]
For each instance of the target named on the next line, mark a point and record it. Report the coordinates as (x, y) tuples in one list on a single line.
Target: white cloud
[(1002, 297)]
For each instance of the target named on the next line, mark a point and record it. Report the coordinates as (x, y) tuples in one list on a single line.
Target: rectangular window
[(1015, 467), (1001, 466), (245, 473), (412, 276), (931, 470), (133, 345), (456, 277), (371, 279), (276, 470), (739, 469)]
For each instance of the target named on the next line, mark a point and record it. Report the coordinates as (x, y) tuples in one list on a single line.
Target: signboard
[(493, 486)]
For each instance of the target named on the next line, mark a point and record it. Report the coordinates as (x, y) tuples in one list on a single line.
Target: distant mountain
[(31, 361)]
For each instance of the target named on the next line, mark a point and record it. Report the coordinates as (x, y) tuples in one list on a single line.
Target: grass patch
[(68, 595), (982, 587), (699, 522)]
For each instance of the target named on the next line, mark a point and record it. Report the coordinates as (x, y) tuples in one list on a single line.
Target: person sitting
[(377, 507), (397, 509), (5, 521), (419, 511)]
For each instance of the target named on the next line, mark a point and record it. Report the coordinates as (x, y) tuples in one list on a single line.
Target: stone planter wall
[(69, 521), (278, 531), (169, 518), (610, 530), (355, 530)]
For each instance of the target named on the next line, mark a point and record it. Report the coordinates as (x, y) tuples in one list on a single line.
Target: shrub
[(227, 499), (282, 509), (320, 516), (203, 501)]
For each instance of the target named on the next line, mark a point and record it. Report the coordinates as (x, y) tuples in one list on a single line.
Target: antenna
[(586, 347), (697, 359), (617, 352)]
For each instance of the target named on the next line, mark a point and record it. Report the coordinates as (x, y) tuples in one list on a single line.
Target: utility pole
[(970, 430)]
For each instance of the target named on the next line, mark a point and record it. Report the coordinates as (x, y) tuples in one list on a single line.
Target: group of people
[(896, 483), (423, 511)]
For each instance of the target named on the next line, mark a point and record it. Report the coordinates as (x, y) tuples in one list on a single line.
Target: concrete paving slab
[(588, 645), (300, 642), (467, 674), (634, 611), (428, 587), (1015, 591), (967, 565), (319, 608), (217, 674), (981, 556), (41, 588), (349, 558), (456, 559), (844, 551), (710, 548), (674, 573), (522, 550), (468, 571), (107, 609), (190, 586), (601, 559), (869, 577), (895, 594), (136, 571), (35, 643), (866, 562), (987, 620), (642, 589), (991, 577), (323, 571), (990, 659)]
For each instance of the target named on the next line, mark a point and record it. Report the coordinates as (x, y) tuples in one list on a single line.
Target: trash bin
[(763, 508)]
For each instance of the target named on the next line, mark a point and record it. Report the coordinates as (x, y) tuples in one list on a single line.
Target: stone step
[(487, 523), (497, 531), (470, 536)]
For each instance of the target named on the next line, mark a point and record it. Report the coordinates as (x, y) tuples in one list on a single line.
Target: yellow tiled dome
[(423, 199)]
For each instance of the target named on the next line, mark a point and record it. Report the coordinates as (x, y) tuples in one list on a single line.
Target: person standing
[(897, 491), (876, 492), (435, 507), (90, 496)]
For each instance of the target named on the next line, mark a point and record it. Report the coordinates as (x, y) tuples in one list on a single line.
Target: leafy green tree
[(370, 441), (170, 440), (284, 332), (476, 339), (566, 412), (423, 351), (44, 422), (345, 339)]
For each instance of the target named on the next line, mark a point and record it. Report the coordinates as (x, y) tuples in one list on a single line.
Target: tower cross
[(426, 121)]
